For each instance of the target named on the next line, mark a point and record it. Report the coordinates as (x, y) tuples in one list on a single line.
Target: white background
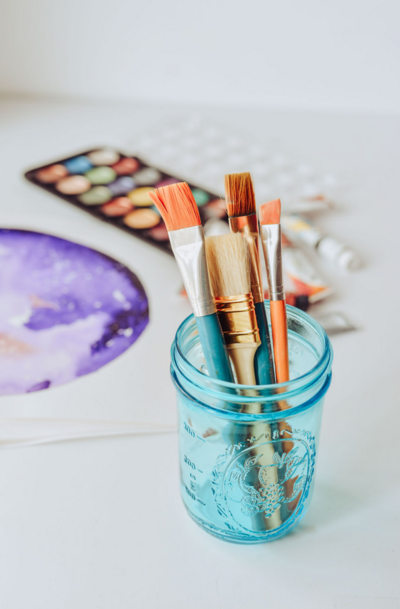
[(329, 54), (99, 524)]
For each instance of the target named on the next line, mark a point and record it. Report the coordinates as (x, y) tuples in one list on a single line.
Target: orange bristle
[(270, 213), (239, 193), (177, 206)]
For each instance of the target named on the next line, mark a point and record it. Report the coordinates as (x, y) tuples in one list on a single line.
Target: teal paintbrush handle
[(263, 361), (214, 349)]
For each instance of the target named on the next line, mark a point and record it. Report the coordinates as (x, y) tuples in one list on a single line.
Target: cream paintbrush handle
[(242, 356)]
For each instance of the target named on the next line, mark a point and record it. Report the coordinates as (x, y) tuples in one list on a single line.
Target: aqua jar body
[(248, 454)]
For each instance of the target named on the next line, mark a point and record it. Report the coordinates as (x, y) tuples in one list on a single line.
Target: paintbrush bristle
[(177, 206), (270, 213), (239, 193), (228, 263)]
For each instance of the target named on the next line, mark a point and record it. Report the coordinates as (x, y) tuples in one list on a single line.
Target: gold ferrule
[(238, 320), (247, 226)]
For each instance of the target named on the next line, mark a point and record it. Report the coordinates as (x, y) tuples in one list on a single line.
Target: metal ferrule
[(238, 320), (190, 253), (272, 246), (248, 227)]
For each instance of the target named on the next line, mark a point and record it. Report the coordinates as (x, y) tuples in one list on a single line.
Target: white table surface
[(98, 524)]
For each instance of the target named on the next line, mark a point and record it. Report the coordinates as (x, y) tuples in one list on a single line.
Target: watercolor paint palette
[(114, 188)]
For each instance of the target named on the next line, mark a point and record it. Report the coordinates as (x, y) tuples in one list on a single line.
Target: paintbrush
[(229, 267), (241, 208), (270, 214), (180, 213)]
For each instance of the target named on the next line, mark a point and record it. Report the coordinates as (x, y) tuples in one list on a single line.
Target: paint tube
[(301, 229), (300, 277)]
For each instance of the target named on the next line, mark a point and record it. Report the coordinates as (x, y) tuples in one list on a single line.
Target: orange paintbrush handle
[(280, 339)]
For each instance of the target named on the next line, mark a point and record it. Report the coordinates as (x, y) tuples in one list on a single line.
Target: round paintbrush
[(270, 214), (241, 208)]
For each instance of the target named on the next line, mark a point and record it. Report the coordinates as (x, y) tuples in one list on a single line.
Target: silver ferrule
[(272, 246), (190, 253)]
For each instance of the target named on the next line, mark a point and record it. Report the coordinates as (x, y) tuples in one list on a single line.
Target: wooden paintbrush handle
[(242, 357), (280, 339)]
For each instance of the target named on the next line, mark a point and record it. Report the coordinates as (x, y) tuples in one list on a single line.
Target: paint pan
[(115, 187)]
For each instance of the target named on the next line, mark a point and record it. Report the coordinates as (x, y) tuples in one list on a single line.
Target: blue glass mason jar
[(248, 478)]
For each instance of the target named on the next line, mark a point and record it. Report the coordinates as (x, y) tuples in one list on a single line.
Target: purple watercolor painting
[(65, 310)]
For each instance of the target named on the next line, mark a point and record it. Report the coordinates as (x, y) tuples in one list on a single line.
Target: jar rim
[(285, 390)]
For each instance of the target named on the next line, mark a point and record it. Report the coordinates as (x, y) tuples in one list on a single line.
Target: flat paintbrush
[(241, 208), (180, 213), (229, 267)]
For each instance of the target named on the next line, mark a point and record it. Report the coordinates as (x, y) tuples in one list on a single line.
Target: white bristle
[(228, 265)]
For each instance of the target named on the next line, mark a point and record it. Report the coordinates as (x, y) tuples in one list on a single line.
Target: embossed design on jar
[(267, 496), (258, 487)]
